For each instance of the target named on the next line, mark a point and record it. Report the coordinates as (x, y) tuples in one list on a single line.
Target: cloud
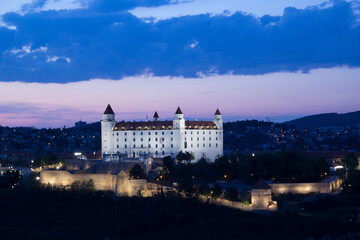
[(103, 40)]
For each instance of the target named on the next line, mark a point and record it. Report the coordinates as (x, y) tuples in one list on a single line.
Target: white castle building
[(160, 138)]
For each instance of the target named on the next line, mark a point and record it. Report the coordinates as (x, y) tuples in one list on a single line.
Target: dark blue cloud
[(112, 44)]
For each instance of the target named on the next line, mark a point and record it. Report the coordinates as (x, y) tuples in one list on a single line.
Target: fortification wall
[(64, 178), (305, 188)]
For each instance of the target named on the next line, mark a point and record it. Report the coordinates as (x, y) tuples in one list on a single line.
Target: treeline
[(44, 213), (284, 166)]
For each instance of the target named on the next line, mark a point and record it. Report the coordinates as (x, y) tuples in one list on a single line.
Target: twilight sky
[(64, 60)]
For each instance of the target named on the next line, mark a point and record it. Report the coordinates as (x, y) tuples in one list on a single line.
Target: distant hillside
[(326, 120)]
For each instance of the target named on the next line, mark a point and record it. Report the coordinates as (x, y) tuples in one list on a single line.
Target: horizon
[(62, 61)]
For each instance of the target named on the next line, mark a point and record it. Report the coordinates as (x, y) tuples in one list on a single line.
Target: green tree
[(137, 172), (168, 163), (350, 161), (215, 191), (185, 157), (231, 194)]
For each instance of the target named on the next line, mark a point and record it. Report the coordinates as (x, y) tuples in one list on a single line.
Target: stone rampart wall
[(305, 188)]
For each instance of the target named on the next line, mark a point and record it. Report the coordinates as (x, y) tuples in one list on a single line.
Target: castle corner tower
[(107, 124)]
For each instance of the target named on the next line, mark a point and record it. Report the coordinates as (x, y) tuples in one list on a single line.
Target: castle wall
[(260, 198), (64, 178), (120, 184), (305, 188)]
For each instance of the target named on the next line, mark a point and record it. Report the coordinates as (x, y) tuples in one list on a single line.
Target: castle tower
[(107, 124), (156, 117), (261, 195), (218, 120), (179, 121)]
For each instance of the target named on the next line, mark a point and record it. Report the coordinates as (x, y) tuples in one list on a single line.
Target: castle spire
[(156, 116), (109, 110), (217, 112), (178, 111)]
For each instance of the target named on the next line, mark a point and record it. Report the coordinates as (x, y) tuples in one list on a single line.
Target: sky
[(63, 61)]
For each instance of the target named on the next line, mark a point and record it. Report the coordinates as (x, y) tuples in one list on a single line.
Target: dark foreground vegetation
[(44, 213)]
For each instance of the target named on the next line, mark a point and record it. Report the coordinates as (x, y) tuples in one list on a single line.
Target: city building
[(161, 138)]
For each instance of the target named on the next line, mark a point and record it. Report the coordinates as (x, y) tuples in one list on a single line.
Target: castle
[(160, 138)]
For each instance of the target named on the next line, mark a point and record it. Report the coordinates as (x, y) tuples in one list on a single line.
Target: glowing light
[(38, 178)]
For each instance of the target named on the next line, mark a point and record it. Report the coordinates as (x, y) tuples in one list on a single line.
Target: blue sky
[(167, 43)]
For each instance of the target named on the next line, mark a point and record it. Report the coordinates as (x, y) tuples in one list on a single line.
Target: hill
[(326, 120)]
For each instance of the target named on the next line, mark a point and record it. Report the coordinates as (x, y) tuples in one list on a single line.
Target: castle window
[(155, 139), (155, 133), (203, 139), (216, 138), (198, 133), (156, 153), (191, 132), (163, 139), (117, 146), (149, 139), (191, 145), (134, 140), (171, 133), (204, 145), (197, 145), (113, 134), (191, 139), (163, 145), (216, 145), (171, 139), (125, 146), (117, 134), (172, 145), (142, 145), (141, 133), (162, 133), (156, 145), (185, 144), (125, 134), (198, 139), (125, 139), (210, 138), (134, 145), (209, 132), (209, 144), (149, 133), (163, 153), (149, 145), (204, 132), (185, 132), (141, 139), (117, 139)]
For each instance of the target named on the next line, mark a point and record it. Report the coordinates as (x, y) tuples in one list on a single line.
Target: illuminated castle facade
[(160, 138)]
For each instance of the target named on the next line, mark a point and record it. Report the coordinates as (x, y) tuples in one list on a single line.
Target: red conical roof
[(217, 112), (178, 111), (109, 110), (156, 115)]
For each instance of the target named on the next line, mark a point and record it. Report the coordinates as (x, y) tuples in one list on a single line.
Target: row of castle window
[(172, 146), (163, 133), (163, 139)]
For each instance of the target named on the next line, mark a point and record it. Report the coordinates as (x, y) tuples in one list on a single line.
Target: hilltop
[(326, 120)]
